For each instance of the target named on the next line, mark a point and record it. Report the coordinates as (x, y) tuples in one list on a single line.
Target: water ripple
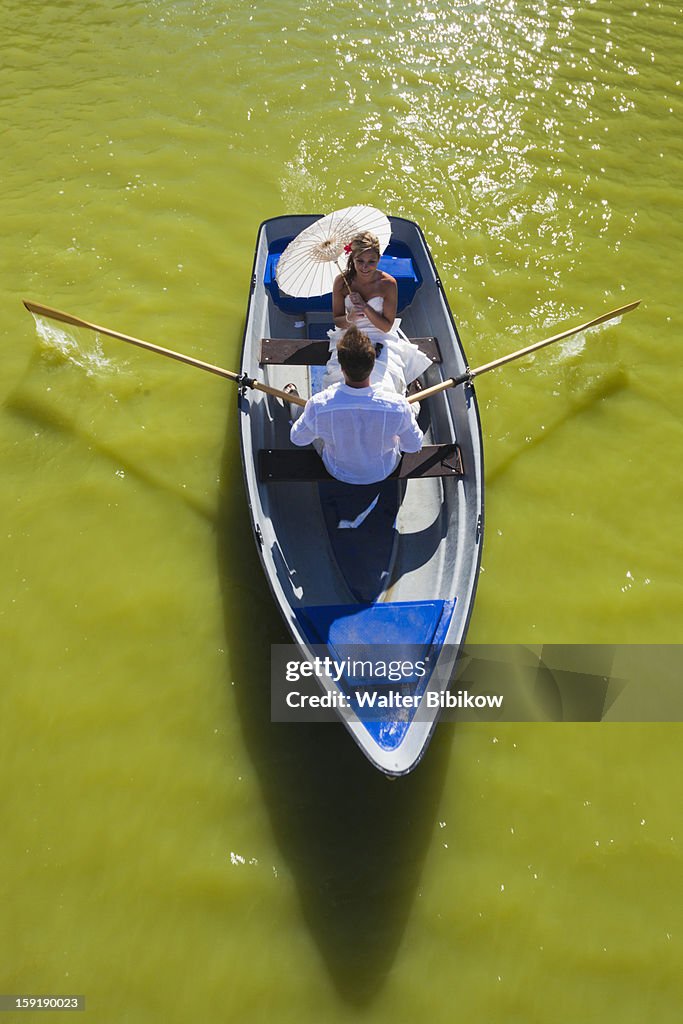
[(492, 127)]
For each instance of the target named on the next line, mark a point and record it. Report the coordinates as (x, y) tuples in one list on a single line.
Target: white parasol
[(310, 263)]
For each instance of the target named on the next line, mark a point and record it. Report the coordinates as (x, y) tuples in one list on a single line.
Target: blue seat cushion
[(396, 260)]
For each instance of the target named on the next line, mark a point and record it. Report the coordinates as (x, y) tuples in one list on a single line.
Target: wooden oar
[(241, 379), (453, 382)]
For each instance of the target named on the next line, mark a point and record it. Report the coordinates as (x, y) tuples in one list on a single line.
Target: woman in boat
[(366, 297)]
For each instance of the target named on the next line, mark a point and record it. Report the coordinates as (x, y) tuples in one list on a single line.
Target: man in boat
[(359, 428)]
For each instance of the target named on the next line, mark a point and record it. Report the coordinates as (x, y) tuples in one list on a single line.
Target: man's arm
[(303, 430), (410, 436)]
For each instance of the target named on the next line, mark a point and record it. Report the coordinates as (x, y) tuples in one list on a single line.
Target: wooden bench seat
[(293, 465), (309, 352)]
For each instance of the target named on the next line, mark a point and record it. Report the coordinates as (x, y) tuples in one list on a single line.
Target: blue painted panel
[(397, 624), (395, 631), (396, 260)]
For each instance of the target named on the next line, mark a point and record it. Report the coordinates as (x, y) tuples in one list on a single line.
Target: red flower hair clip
[(347, 248)]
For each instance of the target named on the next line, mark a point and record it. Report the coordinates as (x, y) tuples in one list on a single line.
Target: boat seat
[(307, 352), (294, 465)]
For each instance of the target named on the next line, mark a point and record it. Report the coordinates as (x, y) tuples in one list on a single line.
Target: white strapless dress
[(398, 364)]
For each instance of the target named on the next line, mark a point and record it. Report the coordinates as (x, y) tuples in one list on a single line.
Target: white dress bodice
[(362, 322)]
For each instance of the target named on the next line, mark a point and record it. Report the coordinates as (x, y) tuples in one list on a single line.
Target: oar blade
[(612, 315), (54, 314), (470, 375), (603, 318), (67, 318)]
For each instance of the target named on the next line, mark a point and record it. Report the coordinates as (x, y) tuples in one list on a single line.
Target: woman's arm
[(338, 306)]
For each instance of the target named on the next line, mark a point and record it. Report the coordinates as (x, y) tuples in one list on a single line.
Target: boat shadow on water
[(354, 841)]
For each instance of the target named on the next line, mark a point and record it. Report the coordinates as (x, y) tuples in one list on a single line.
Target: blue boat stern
[(384, 654)]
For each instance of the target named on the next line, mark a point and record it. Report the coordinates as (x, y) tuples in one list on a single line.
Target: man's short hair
[(356, 354)]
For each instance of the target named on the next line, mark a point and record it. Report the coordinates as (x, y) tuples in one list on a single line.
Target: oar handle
[(444, 385), (286, 396), (219, 371)]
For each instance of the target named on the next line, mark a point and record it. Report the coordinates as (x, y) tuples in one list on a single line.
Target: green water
[(166, 851)]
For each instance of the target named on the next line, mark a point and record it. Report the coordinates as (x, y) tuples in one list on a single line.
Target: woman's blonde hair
[(361, 243)]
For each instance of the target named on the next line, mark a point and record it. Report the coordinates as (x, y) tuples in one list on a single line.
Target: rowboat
[(366, 578), (386, 572)]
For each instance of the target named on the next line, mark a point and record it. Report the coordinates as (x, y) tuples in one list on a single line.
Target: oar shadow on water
[(606, 387), (354, 841), (29, 403)]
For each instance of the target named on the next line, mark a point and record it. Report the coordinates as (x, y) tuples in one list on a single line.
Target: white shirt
[(364, 431)]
